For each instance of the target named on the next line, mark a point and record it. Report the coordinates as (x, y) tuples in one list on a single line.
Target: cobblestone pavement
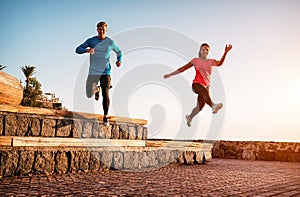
[(219, 177)]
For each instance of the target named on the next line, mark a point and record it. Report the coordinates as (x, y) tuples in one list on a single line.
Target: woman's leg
[(199, 107), (201, 100)]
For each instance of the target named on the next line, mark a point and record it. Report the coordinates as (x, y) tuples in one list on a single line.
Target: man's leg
[(91, 85), (106, 100), (105, 86)]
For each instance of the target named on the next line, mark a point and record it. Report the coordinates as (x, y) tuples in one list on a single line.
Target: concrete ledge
[(67, 142), (68, 114)]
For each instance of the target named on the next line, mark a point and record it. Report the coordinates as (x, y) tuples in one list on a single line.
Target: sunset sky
[(260, 78)]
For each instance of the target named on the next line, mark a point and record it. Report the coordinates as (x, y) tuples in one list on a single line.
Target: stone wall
[(268, 151), (16, 161), (42, 151), (37, 125)]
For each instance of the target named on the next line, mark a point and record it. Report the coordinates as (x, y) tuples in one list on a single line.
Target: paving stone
[(220, 177)]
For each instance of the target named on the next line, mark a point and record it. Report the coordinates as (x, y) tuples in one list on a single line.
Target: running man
[(99, 48)]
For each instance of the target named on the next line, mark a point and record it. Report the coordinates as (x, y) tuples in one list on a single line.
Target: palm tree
[(28, 72), (2, 67)]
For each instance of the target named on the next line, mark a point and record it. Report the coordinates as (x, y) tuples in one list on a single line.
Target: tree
[(28, 72), (2, 67), (32, 89)]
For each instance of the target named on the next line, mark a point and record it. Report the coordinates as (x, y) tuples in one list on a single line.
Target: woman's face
[(204, 50)]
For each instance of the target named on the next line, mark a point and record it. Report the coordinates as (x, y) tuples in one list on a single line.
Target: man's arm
[(118, 51), (83, 48), (228, 47)]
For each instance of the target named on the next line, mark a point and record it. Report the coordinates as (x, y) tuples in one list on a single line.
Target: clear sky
[(258, 83)]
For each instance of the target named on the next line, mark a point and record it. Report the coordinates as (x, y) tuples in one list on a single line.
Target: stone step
[(39, 122), (26, 160), (68, 114)]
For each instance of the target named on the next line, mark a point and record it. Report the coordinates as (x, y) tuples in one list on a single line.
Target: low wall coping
[(68, 114)]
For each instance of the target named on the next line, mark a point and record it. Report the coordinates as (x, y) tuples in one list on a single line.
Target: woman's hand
[(228, 47), (167, 76)]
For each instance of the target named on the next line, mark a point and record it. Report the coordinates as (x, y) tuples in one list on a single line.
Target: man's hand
[(228, 47), (118, 63), (91, 51)]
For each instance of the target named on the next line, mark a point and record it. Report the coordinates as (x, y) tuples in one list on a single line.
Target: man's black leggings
[(91, 84)]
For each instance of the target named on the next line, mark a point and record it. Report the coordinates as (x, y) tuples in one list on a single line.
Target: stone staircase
[(36, 140)]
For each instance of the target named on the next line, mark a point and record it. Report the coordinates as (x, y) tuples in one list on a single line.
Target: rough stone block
[(152, 162), (163, 157), (77, 128), (105, 131), (118, 160), (48, 128), (44, 162), (106, 159), (208, 156), (271, 147), (180, 159), (189, 157), (64, 127), (23, 125), (35, 127), (1, 124), (124, 131), (145, 133), (11, 125), (95, 161), (25, 164), (147, 159), (8, 161), (84, 160), (74, 166), (131, 160), (174, 155), (218, 153), (62, 160), (248, 154), (139, 132), (143, 158), (87, 129), (230, 154), (96, 128), (132, 133), (200, 157), (115, 132)]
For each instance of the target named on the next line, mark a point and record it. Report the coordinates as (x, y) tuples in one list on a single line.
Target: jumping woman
[(203, 67)]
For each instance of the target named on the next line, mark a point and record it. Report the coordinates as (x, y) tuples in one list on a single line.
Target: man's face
[(102, 31)]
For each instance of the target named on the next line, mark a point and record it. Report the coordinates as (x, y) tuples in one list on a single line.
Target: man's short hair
[(102, 24)]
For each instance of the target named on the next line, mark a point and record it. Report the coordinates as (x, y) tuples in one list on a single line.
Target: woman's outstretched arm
[(179, 70)]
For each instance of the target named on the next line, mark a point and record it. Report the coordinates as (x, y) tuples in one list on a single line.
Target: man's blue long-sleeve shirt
[(99, 61)]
